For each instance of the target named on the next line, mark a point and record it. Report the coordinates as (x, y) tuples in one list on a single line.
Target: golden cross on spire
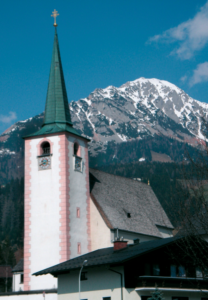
[(55, 14)]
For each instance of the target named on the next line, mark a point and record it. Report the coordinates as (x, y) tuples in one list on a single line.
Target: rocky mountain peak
[(136, 112), (139, 108)]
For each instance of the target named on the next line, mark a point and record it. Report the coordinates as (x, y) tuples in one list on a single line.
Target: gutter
[(169, 290), (121, 281)]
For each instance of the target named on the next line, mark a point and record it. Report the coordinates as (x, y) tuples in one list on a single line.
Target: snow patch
[(7, 151)]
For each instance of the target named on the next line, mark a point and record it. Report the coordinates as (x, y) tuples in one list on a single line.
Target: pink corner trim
[(64, 244), (88, 197), (42, 141), (27, 226)]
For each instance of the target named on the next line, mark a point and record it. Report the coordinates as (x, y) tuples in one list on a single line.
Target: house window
[(78, 212), (181, 271), (46, 149), (21, 278), (199, 272), (106, 298), (156, 270), (147, 269), (84, 276), (173, 272), (79, 248)]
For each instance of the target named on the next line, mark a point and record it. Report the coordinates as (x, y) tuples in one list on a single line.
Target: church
[(70, 209)]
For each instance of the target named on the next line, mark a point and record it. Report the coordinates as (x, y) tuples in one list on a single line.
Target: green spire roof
[(57, 106), (57, 115)]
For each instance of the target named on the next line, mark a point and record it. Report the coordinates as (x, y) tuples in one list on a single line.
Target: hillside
[(146, 119)]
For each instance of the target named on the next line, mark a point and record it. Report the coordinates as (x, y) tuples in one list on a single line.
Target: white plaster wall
[(77, 198), (131, 236), (101, 283), (16, 285), (165, 232), (44, 216), (100, 233), (30, 297)]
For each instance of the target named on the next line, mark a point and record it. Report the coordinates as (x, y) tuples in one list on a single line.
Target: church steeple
[(57, 107), (57, 115)]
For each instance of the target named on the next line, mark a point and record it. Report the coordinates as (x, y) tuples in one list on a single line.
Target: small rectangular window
[(106, 298), (147, 269), (78, 163), (78, 212), (156, 270), (84, 276), (79, 248), (21, 278), (199, 272), (173, 272), (181, 271)]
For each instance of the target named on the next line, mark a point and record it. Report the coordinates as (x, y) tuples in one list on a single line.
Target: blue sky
[(102, 43)]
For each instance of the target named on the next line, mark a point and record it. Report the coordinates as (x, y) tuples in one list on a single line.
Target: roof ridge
[(131, 179)]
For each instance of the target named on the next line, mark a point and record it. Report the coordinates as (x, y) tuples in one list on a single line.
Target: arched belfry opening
[(76, 148), (46, 148)]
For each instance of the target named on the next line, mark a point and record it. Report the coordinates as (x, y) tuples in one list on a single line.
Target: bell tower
[(57, 223)]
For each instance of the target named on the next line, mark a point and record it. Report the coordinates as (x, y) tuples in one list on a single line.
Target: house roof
[(108, 256), (19, 267), (127, 204)]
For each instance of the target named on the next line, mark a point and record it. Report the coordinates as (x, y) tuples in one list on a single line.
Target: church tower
[(57, 224)]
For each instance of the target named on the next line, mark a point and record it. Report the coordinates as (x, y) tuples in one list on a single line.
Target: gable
[(127, 204), (99, 231)]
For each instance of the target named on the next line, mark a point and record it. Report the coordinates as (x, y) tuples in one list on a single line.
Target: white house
[(132, 272)]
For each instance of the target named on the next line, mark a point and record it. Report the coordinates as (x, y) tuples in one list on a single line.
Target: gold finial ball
[(54, 15)]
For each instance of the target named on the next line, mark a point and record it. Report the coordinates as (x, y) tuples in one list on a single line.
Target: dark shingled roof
[(116, 196), (108, 256), (19, 266)]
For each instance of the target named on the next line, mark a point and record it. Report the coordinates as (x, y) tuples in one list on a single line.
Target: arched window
[(77, 158), (76, 148), (46, 149)]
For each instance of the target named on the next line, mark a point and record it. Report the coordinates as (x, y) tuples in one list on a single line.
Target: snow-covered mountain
[(133, 112), (137, 109)]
